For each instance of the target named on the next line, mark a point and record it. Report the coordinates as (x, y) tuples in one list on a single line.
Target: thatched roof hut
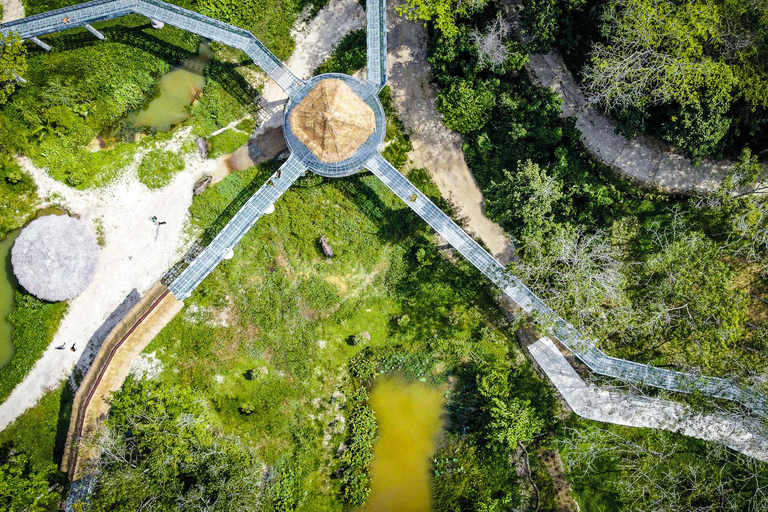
[(55, 257), (332, 121)]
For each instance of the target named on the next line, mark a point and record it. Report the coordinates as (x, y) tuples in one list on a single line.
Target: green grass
[(41, 430), (227, 142), (158, 167), (347, 57), (34, 323)]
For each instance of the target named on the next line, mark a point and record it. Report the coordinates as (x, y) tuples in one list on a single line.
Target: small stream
[(8, 285), (410, 418)]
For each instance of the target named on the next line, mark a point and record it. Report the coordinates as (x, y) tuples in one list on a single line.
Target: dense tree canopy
[(13, 64)]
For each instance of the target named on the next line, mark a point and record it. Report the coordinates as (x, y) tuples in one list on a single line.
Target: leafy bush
[(466, 106), (158, 167), (18, 195), (227, 142)]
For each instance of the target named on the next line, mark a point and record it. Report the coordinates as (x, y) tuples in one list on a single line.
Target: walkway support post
[(93, 31), (40, 43)]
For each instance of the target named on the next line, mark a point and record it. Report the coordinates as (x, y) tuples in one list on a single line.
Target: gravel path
[(435, 147), (12, 10)]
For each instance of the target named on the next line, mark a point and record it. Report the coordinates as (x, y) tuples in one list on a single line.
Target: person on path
[(154, 218), (73, 347)]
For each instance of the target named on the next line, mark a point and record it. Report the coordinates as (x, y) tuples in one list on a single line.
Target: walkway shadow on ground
[(84, 363), (137, 37)]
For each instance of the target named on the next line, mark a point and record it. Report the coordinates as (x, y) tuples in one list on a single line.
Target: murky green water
[(8, 286), (410, 419), (178, 90)]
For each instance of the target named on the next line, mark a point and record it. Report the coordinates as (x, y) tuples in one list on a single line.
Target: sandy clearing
[(12, 10), (435, 147), (137, 253)]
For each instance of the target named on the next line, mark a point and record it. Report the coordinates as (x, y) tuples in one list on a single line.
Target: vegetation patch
[(158, 167)]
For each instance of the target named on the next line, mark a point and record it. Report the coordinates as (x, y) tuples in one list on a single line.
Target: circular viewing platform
[(333, 124)]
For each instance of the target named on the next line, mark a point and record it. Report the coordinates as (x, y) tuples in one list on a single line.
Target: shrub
[(158, 167)]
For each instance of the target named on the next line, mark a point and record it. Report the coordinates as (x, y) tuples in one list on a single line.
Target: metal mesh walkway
[(215, 30), (376, 34), (594, 358), (236, 228)]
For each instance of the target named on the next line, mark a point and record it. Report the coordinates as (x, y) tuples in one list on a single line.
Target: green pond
[(410, 419), (178, 89), (8, 285)]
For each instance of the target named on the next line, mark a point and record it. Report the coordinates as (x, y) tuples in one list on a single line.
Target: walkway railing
[(585, 350), (376, 34), (99, 10)]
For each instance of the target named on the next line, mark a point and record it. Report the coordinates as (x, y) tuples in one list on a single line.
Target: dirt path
[(12, 10), (137, 253), (435, 147)]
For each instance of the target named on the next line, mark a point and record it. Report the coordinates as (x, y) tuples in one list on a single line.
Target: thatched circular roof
[(55, 257), (332, 121)]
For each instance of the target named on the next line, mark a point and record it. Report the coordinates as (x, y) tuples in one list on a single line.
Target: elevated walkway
[(109, 370), (585, 350), (82, 15), (236, 228), (376, 44)]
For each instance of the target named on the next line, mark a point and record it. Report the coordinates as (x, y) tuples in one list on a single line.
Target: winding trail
[(435, 147)]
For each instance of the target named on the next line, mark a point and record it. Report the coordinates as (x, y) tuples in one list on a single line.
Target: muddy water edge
[(410, 420)]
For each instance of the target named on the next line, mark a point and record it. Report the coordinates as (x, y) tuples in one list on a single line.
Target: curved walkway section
[(236, 228), (594, 358), (81, 15), (639, 411)]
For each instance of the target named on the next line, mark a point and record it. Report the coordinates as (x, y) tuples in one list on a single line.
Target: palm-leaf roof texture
[(55, 257)]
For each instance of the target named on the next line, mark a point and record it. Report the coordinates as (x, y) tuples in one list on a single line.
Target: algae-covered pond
[(8, 286), (410, 418)]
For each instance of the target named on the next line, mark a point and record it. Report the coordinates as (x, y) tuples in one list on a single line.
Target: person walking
[(73, 348)]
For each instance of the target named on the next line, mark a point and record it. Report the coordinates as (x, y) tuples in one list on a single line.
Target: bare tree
[(490, 47)]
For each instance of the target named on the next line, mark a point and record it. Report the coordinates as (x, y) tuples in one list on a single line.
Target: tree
[(523, 202), (442, 12), (655, 54), (23, 488), (662, 471), (13, 64), (160, 452), (510, 420), (579, 274), (491, 47), (466, 105)]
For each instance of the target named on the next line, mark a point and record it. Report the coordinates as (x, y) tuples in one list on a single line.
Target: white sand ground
[(621, 408), (12, 10), (435, 147), (136, 255)]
